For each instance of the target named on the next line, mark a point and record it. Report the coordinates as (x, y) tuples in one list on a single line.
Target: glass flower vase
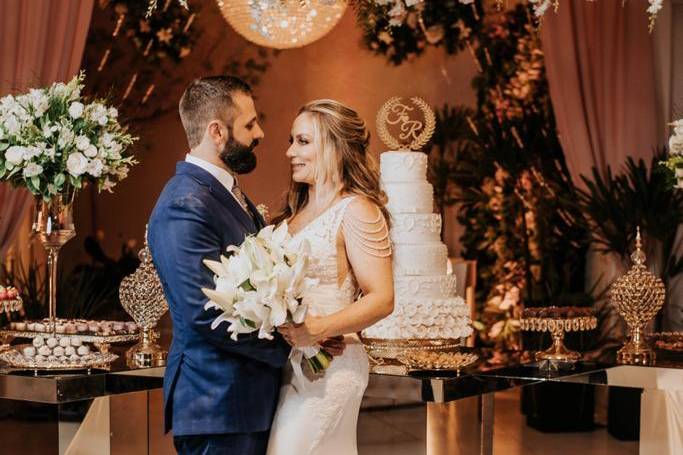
[(54, 226)]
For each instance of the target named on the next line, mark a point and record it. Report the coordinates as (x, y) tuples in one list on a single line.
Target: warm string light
[(130, 86)]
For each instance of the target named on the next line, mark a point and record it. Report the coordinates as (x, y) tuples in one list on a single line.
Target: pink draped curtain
[(601, 71), (41, 41)]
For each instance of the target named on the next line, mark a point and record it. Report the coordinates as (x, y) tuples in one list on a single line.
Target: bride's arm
[(368, 248)]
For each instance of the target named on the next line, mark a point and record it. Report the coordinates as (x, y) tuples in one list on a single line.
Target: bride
[(335, 203)]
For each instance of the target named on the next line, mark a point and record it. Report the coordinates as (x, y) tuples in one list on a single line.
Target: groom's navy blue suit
[(220, 395)]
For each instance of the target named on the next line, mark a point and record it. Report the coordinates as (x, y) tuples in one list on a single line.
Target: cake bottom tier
[(424, 319)]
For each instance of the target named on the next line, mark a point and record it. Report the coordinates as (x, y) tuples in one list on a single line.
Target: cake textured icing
[(425, 302)]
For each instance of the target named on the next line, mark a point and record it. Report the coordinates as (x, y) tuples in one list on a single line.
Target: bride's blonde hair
[(342, 139)]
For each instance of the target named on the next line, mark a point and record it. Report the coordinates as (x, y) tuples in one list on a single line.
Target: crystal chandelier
[(282, 24)]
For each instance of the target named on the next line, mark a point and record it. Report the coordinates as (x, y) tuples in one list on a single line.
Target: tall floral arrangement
[(675, 160), (513, 188), (53, 140)]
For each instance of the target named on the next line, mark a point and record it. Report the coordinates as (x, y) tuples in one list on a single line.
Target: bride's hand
[(310, 332)]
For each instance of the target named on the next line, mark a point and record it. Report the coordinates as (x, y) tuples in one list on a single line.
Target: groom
[(220, 395)]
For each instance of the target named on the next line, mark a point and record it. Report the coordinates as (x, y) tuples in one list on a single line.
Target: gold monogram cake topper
[(414, 134)]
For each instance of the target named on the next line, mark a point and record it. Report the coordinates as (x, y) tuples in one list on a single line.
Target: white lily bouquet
[(52, 139), (675, 161), (260, 286)]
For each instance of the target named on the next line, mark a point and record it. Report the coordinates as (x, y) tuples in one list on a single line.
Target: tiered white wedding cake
[(426, 306)]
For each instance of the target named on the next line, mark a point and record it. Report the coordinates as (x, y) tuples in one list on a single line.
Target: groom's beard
[(238, 157)]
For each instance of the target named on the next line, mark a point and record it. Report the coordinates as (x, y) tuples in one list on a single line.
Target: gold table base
[(636, 354), (146, 353)]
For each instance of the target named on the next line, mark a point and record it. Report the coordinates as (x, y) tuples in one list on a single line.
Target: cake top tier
[(403, 166)]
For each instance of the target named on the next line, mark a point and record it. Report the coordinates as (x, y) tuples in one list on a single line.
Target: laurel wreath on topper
[(414, 134)]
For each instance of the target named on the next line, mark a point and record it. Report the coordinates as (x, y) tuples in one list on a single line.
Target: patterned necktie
[(239, 195)]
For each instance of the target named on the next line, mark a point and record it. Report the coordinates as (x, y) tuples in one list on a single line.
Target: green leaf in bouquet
[(4, 146), (35, 180), (248, 322), (59, 180), (31, 187), (247, 286)]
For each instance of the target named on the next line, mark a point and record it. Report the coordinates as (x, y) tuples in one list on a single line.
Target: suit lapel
[(220, 192)]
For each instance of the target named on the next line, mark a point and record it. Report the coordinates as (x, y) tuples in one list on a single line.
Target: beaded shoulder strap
[(370, 235)]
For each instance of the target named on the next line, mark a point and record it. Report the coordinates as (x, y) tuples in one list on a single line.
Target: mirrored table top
[(436, 386)]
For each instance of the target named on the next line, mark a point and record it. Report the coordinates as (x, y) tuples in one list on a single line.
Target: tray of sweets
[(86, 330)]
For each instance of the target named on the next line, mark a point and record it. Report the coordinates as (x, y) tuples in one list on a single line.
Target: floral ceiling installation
[(282, 24), (402, 29), (541, 6)]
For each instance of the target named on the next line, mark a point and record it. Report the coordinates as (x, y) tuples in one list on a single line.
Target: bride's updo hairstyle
[(341, 140)]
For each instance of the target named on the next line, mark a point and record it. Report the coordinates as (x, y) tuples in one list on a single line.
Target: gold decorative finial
[(638, 257), (638, 296)]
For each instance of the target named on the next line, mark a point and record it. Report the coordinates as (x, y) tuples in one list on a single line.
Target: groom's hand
[(334, 346)]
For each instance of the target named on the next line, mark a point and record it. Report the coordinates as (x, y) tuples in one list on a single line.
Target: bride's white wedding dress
[(319, 415)]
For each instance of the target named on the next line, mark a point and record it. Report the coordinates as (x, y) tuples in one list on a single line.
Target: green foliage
[(637, 196), (503, 166)]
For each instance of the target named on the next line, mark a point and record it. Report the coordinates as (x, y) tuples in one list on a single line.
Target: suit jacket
[(212, 384)]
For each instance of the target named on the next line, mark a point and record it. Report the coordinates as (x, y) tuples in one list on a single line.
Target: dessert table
[(119, 411)]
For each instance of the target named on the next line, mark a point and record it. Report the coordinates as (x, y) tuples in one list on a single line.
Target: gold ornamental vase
[(142, 296), (638, 296), (54, 226)]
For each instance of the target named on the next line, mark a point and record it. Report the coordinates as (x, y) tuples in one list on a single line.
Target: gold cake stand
[(437, 361), (385, 355), (558, 326)]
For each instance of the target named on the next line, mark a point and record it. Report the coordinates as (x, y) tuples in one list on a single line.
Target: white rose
[(107, 140), (76, 110), (98, 113), (95, 168), (15, 154), (59, 89), (32, 169), (76, 164), (39, 101), (676, 145), (12, 125), (82, 143), (91, 151), (66, 137), (113, 112)]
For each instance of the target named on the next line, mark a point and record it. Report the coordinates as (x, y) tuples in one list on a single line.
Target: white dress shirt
[(223, 176)]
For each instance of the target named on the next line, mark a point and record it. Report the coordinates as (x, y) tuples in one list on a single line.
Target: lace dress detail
[(322, 417)]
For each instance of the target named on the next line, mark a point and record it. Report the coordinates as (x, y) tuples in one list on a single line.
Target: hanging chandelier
[(282, 24)]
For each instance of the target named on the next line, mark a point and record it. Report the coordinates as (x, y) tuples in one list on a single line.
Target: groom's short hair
[(207, 99)]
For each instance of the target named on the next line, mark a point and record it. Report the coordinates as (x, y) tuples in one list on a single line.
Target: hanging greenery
[(165, 33), (135, 58), (401, 30)]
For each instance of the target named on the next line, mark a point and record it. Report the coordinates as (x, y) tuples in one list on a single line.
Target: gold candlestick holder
[(558, 321), (142, 296), (638, 296)]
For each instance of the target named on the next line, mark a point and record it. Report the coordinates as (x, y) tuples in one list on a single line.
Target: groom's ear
[(217, 132)]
